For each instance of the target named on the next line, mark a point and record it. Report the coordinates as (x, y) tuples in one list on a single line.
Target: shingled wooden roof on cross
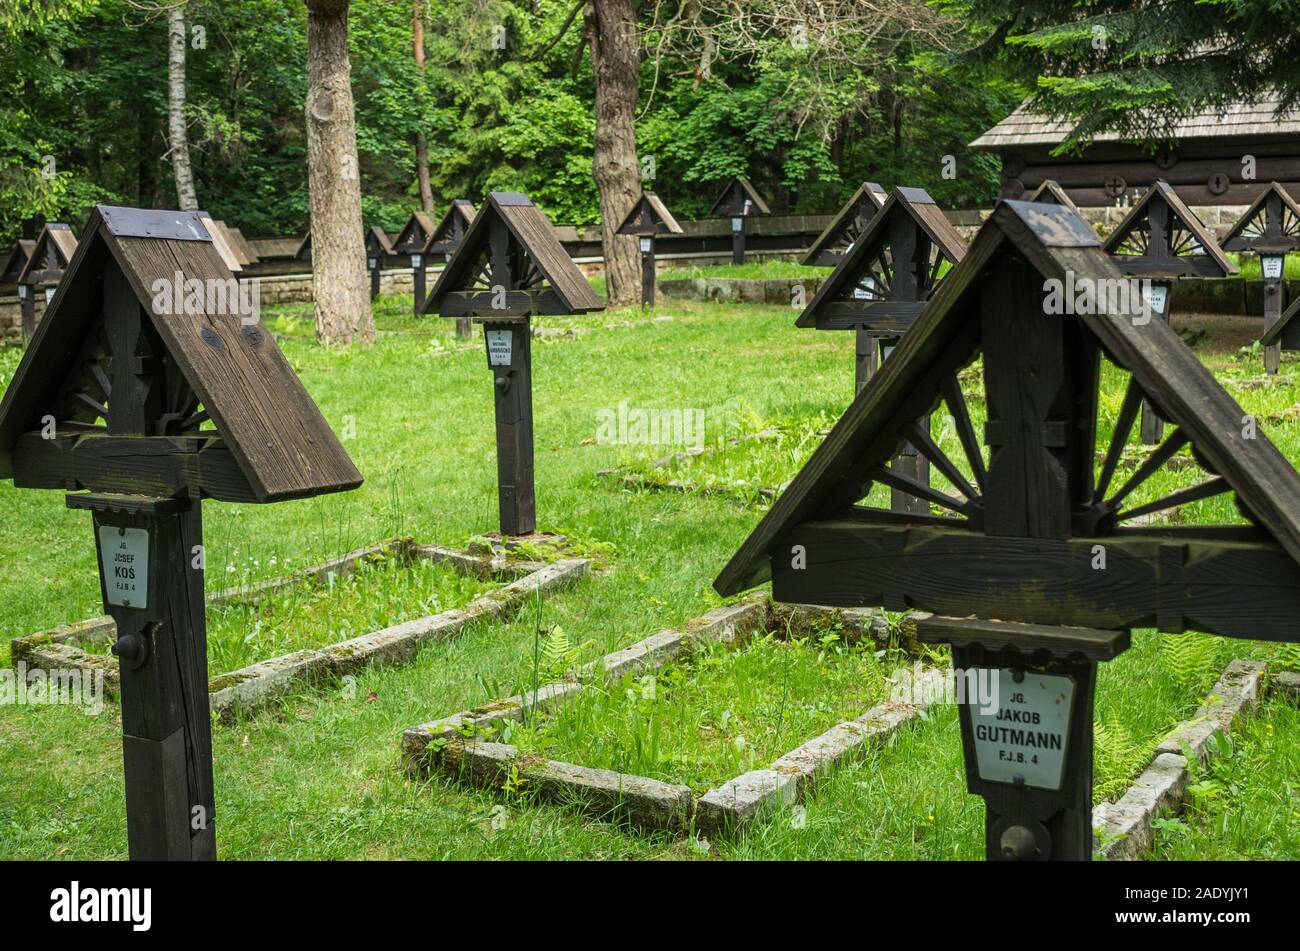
[(415, 233), (847, 224), (378, 242), (1049, 192), (54, 248), (1162, 237), (842, 298), (739, 199), (1255, 232), (1039, 242), (649, 216), (539, 264), (457, 218), (282, 447), (17, 260)]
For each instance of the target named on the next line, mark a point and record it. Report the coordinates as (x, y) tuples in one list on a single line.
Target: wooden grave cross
[(45, 267), (140, 408), (739, 201), (1047, 560), (511, 266), (1160, 240), (1270, 228), (446, 239), (378, 250), (880, 285), (848, 224), (648, 218), (411, 240), (1051, 193)]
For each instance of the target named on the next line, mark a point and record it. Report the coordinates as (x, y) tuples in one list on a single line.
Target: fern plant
[(1191, 658), (1116, 757)]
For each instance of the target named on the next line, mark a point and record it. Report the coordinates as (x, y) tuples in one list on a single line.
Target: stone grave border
[(250, 688), (451, 746), (1122, 829)]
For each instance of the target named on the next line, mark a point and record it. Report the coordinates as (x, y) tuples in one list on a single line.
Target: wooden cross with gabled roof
[(1270, 228), (509, 267), (648, 218), (1050, 550), (879, 287), (378, 250), (847, 225), (1051, 193), (150, 384), (1161, 239), (45, 266), (739, 201), (412, 240)]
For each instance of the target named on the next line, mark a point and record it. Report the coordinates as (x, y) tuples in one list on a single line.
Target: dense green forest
[(505, 101)]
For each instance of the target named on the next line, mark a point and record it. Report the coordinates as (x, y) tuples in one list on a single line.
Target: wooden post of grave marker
[(1043, 566), (1270, 228), (44, 270), (509, 267), (154, 410), (412, 240), (378, 250), (739, 202), (648, 218), (1160, 240), (882, 282)]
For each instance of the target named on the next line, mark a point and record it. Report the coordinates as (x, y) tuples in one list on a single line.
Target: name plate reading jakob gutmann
[(124, 556), (1025, 732)]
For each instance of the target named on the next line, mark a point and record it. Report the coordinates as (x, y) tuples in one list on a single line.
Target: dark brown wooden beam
[(1242, 585)]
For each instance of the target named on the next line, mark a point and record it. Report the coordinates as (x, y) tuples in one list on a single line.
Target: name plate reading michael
[(499, 347), (124, 553), (1024, 734)]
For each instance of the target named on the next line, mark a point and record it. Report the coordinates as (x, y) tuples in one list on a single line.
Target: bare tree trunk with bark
[(340, 284), (421, 144), (178, 140), (615, 61)]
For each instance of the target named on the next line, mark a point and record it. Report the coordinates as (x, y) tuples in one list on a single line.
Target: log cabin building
[(1204, 162)]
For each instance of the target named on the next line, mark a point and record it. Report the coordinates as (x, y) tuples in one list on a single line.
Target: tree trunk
[(340, 284), (421, 145), (615, 61), (178, 139)]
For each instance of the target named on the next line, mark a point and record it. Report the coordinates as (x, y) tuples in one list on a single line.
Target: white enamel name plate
[(1025, 733), (499, 347), (124, 556)]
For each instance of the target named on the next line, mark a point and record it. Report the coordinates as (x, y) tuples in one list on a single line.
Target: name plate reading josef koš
[(1021, 737), (125, 556)]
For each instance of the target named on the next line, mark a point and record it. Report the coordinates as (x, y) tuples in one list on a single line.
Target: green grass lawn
[(318, 776), (721, 712), (378, 594)]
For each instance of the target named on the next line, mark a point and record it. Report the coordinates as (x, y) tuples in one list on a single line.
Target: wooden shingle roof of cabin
[(54, 237), (263, 414), (1055, 242), (1240, 236), (1236, 120), (17, 260), (833, 234), (917, 205), (1216, 263), (737, 190), (649, 216), (534, 232)]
